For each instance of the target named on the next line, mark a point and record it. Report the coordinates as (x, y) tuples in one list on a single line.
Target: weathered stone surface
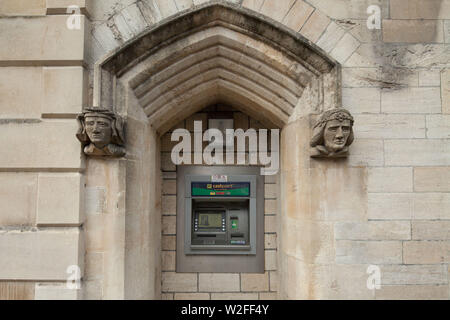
[(413, 31), (389, 126), (270, 241), (168, 260), (331, 37), (276, 10), (417, 152), (413, 274), (60, 6), (234, 296), (435, 179), (438, 126), (169, 225), (20, 92), (169, 205), (45, 144), (297, 16), (314, 26), (46, 291), (373, 230), (445, 90), (40, 255), (418, 9), (268, 296), (431, 230), (43, 40), (218, 282), (64, 91), (411, 100), (270, 207), (390, 206), (270, 224), (345, 48), (366, 152), (361, 100), (431, 206), (255, 282), (388, 78), (395, 179), (168, 243), (22, 7), (130, 22), (191, 296), (67, 208), (14, 290), (372, 252), (412, 292), (22, 187), (350, 9), (426, 252), (270, 260), (179, 282), (430, 78)]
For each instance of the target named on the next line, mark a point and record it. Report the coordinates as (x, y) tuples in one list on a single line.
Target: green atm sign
[(220, 189)]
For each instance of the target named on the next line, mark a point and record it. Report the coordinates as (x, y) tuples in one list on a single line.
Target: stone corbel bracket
[(101, 133), (332, 134)]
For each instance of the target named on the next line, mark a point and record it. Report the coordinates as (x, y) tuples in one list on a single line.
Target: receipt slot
[(220, 216)]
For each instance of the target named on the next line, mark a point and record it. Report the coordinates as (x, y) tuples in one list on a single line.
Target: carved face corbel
[(101, 133), (332, 134)]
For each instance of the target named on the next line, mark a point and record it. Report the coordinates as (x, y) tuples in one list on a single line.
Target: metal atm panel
[(224, 231)]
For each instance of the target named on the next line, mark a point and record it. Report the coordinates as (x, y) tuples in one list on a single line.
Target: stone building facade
[(330, 224)]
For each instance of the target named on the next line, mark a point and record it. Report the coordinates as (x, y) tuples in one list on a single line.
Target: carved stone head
[(332, 134), (101, 133)]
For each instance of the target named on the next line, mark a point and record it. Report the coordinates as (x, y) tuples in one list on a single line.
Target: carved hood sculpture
[(101, 133)]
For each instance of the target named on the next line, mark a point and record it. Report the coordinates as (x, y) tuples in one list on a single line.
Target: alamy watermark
[(74, 20), (374, 279), (374, 20), (214, 151), (74, 279)]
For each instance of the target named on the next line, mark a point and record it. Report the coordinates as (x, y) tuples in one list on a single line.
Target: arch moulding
[(214, 53)]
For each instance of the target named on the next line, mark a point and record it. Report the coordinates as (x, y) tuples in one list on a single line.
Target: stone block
[(314, 27), (397, 179), (432, 179), (412, 292), (58, 291), (390, 206), (169, 187), (270, 224), (184, 4), (331, 37), (234, 296), (270, 241), (22, 8), (270, 207), (268, 296), (254, 5), (270, 191), (218, 282), (371, 252), (297, 16), (430, 78), (60, 199), (270, 259), (431, 206), (431, 230), (366, 152), (426, 252), (413, 31), (64, 91), (42, 41), (413, 274), (168, 243), (361, 100), (169, 205), (40, 145), (167, 8), (60, 6), (376, 77), (18, 193), (168, 260), (255, 282), (417, 152), (191, 296), (445, 90), (167, 296), (130, 22), (438, 126), (20, 92), (411, 100), (373, 230), (389, 126), (276, 10), (14, 290), (349, 9), (419, 9), (179, 282), (345, 48), (273, 280), (40, 255), (169, 225)]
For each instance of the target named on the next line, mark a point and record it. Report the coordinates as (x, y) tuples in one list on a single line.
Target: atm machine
[(220, 219)]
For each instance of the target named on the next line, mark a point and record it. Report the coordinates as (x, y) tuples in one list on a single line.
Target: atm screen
[(210, 220)]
